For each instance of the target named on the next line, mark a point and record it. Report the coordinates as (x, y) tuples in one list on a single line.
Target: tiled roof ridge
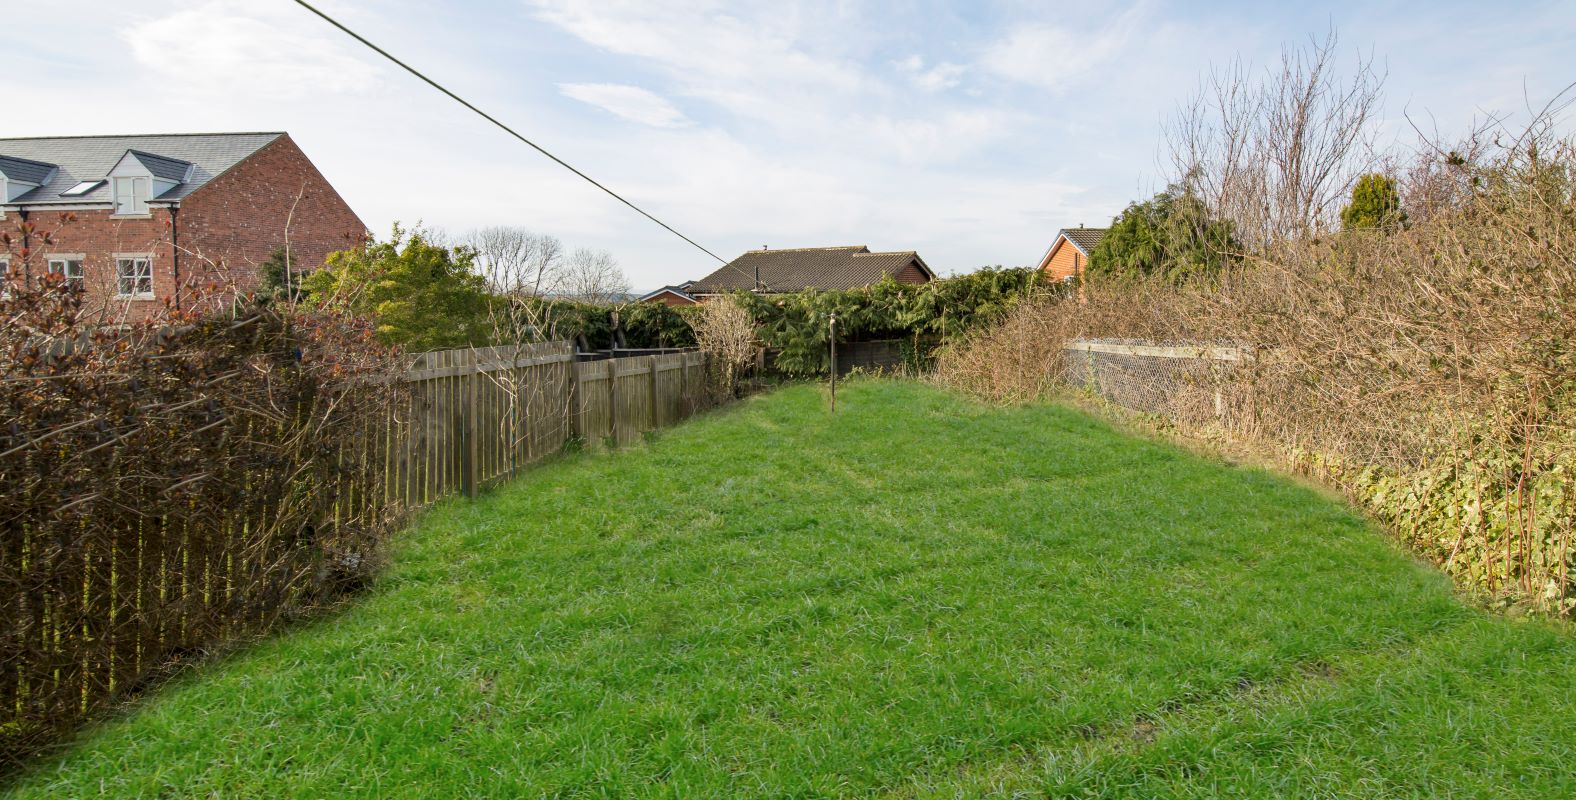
[(136, 152), (139, 135), (807, 249)]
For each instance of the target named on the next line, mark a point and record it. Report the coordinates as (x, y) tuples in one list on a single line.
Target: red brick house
[(822, 268), (1069, 253), (159, 217)]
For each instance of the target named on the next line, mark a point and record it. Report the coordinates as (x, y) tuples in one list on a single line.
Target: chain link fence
[(1179, 382)]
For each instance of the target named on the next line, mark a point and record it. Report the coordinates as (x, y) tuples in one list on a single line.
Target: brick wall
[(236, 221), (97, 237), (911, 274), (224, 230), (1064, 262)]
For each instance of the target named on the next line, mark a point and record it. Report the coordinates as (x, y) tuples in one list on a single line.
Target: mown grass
[(918, 597)]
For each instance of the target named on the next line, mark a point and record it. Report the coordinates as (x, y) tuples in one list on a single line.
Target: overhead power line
[(512, 132)]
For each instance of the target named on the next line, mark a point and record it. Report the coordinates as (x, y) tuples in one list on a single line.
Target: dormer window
[(131, 195), (18, 176), (142, 177)]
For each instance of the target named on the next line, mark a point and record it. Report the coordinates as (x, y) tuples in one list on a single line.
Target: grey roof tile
[(1084, 238), (796, 269), (90, 158), (170, 169), (680, 289), (23, 170)]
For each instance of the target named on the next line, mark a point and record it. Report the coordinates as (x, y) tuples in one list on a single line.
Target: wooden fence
[(478, 416), (94, 606)]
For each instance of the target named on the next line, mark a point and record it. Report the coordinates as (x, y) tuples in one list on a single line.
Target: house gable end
[(1045, 261)]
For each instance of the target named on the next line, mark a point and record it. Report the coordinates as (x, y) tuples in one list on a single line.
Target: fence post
[(656, 415), (472, 432), (685, 407), (831, 326), (577, 422), (520, 435), (612, 398)]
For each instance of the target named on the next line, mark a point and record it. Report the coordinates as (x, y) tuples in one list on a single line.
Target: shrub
[(170, 485), (725, 332), (1431, 372), (1169, 237), (1375, 205), (421, 295), (796, 323)]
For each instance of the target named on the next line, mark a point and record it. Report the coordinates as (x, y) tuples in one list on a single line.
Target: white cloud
[(246, 48), (630, 102), (942, 76), (1053, 56), (763, 66), (941, 138)]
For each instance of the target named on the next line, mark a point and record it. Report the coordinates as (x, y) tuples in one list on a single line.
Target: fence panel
[(480, 415)]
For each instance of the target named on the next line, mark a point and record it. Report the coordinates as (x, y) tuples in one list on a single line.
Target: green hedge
[(644, 324), (796, 324)]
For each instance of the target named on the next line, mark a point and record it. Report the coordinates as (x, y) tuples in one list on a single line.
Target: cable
[(484, 115)]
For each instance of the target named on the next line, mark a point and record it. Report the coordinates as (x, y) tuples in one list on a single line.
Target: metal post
[(832, 331)]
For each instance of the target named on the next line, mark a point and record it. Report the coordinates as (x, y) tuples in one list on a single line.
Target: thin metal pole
[(832, 330)]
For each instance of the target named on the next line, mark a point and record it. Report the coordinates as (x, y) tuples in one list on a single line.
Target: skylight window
[(81, 188)]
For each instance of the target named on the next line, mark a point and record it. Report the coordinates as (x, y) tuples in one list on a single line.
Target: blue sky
[(969, 131)]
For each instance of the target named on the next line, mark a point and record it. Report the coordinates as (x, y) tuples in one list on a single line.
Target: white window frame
[(120, 279), (5, 277), (64, 260), (139, 205)]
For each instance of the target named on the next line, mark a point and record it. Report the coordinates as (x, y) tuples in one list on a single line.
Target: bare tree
[(725, 332), (1278, 157), (516, 261), (593, 276)]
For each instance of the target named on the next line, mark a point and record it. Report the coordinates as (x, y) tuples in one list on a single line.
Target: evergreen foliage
[(1376, 205), (422, 296), (278, 279), (645, 325), (796, 324), (1170, 237)]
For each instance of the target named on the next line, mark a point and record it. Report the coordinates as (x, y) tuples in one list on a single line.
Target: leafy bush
[(421, 296), (796, 324), (1169, 237), (658, 325), (645, 325), (1376, 205)]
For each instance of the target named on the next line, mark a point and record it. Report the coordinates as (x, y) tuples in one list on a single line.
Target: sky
[(968, 131)]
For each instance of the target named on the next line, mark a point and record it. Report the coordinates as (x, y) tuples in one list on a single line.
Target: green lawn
[(919, 597)]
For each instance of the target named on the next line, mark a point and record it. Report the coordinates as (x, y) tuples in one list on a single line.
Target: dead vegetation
[(1428, 371)]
